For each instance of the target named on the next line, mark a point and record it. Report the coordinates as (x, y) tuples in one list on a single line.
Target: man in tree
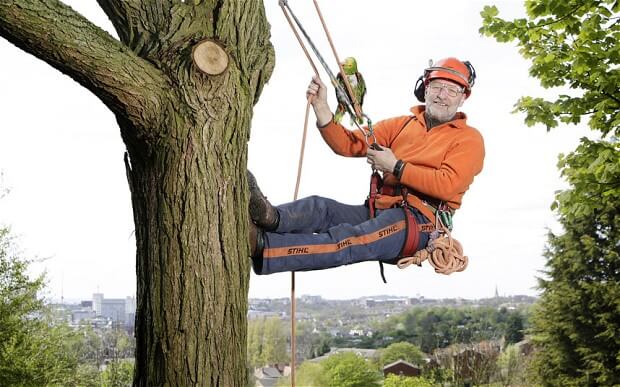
[(428, 160)]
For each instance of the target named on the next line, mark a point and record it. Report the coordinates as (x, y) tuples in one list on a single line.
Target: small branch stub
[(210, 57)]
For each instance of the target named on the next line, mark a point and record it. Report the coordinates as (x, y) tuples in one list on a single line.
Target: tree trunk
[(186, 135)]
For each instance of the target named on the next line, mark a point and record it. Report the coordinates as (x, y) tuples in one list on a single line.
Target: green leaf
[(489, 11), (549, 58)]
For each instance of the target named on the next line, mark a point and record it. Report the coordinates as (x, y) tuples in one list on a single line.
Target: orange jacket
[(440, 162)]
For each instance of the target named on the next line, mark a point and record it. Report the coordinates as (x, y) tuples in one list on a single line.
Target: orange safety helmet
[(450, 68)]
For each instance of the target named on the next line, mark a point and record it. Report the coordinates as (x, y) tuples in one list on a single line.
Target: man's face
[(443, 98)]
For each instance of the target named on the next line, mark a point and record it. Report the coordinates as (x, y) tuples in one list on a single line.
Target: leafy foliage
[(577, 321), (118, 373), (349, 370), (572, 44), (403, 381), (344, 369), (476, 363), (402, 351), (432, 328), (311, 344), (33, 349), (514, 328), (267, 342), (512, 367), (307, 374)]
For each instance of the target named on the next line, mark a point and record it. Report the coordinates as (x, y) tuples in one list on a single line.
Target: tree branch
[(118, 13), (53, 32), (571, 113), (569, 13), (141, 24), (611, 96)]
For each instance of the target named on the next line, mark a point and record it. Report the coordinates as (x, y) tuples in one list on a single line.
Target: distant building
[(401, 367), (414, 301), (270, 376), (81, 314), (116, 309), (86, 304), (97, 301), (256, 314), (311, 299)]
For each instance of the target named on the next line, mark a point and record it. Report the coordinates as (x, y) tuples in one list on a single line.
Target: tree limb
[(140, 21), (53, 32), (554, 21)]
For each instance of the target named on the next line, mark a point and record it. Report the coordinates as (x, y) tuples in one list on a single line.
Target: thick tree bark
[(186, 135)]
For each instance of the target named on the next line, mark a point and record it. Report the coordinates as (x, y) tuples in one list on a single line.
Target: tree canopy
[(349, 370), (402, 351), (432, 328), (345, 369), (267, 342), (402, 381), (576, 322), (574, 45)]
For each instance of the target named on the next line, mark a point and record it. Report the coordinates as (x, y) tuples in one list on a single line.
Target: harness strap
[(412, 231), (376, 182), (398, 190)]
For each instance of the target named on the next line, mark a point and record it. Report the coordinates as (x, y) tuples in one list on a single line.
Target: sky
[(69, 204)]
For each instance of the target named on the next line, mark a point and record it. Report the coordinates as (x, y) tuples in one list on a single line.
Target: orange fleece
[(440, 162)]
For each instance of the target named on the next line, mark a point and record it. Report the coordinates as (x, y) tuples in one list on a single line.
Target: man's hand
[(382, 160), (317, 95)]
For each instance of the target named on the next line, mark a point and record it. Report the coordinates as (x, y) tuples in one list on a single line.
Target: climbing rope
[(352, 106), (444, 253), (356, 106), (283, 5)]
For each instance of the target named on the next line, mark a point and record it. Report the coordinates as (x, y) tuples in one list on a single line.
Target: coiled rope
[(444, 253)]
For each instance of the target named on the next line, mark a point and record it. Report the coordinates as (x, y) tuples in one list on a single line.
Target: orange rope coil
[(444, 253)]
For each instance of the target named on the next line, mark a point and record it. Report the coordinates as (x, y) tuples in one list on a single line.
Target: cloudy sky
[(69, 205)]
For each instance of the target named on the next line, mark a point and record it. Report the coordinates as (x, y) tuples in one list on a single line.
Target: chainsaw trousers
[(317, 233)]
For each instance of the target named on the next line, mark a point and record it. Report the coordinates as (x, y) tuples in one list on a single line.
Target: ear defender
[(472, 73), (418, 91)]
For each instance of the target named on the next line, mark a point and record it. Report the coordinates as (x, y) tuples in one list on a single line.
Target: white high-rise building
[(97, 303)]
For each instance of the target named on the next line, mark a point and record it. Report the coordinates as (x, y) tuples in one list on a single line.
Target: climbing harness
[(444, 253)]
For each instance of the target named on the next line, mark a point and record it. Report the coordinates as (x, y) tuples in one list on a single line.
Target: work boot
[(262, 212), (257, 243)]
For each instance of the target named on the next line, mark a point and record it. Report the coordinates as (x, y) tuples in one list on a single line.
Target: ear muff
[(418, 91), (472, 74)]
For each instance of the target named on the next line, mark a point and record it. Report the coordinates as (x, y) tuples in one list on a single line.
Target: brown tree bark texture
[(186, 135)]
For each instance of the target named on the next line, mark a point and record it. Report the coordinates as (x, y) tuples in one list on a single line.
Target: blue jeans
[(317, 233)]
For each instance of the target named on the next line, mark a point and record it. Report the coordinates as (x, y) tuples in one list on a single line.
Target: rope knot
[(444, 253)]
